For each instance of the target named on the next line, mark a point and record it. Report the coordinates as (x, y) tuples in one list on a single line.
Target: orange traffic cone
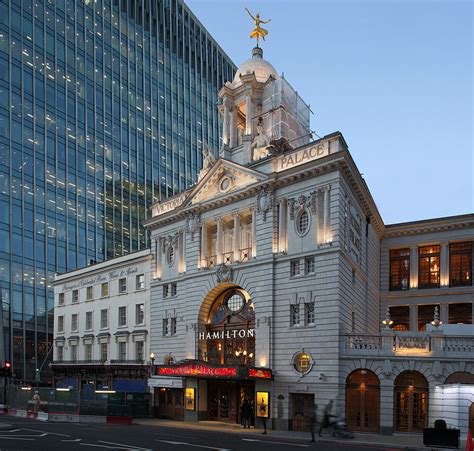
[(469, 445)]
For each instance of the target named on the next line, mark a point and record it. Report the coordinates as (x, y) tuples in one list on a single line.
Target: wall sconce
[(387, 322)]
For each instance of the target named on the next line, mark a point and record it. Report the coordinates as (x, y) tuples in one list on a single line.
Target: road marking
[(76, 440), (17, 438), (99, 446), (275, 443), (176, 435), (49, 433), (137, 448), (192, 444)]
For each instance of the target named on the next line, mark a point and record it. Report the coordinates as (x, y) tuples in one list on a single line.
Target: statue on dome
[(207, 162), (260, 143), (258, 32)]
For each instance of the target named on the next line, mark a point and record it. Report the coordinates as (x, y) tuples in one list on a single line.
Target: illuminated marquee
[(301, 156), (221, 334), (260, 374)]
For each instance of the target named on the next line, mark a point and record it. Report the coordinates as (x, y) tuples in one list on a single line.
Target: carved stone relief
[(264, 203), (224, 273), (192, 224)]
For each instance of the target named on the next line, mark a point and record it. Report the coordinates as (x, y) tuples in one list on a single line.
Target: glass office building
[(105, 106)]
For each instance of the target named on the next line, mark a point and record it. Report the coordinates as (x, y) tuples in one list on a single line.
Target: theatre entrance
[(225, 397)]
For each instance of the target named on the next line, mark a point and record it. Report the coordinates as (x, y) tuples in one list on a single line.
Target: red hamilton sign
[(206, 370)]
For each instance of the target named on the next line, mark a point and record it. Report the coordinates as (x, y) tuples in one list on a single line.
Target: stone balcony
[(407, 344)]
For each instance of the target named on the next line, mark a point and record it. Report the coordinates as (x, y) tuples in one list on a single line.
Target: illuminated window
[(399, 269), (460, 264), (302, 222), (235, 302), (303, 362), (425, 315), (104, 289), (428, 266)]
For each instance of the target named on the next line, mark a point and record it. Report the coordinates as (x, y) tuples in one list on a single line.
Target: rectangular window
[(122, 350), (173, 326), (295, 315), (460, 313), (122, 316), (104, 351), (139, 350), (75, 295), (309, 267), (90, 293), (88, 352), (61, 299), (140, 281), (399, 269), (60, 324), (174, 289), (294, 267), (73, 353), (104, 318), (460, 264), (123, 285), (309, 313), (428, 266), (400, 316), (139, 313), (74, 322), (425, 315), (104, 289), (165, 290), (60, 353), (166, 329), (88, 320)]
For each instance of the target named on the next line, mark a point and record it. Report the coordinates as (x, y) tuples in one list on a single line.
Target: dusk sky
[(395, 77)]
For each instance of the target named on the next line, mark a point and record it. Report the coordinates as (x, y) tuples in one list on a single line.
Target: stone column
[(219, 241), (225, 124), (413, 318), (158, 269), (233, 127), (282, 214), (236, 248), (203, 245), (414, 266), (326, 215), (386, 406), (444, 264), (254, 233), (248, 114), (444, 313)]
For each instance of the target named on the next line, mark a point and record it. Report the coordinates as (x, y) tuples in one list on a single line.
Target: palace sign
[(221, 334), (170, 204), (301, 156)]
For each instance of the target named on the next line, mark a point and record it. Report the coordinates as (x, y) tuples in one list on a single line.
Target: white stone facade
[(102, 321)]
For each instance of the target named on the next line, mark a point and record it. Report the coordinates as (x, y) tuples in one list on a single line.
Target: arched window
[(302, 222)]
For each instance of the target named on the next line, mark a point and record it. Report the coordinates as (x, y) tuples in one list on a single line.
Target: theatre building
[(275, 279)]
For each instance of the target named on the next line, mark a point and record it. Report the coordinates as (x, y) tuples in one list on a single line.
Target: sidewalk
[(412, 442)]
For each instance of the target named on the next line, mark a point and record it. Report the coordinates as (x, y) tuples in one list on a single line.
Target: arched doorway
[(460, 377), (363, 401), (410, 402)]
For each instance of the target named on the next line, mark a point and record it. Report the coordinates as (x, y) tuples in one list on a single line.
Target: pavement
[(160, 435)]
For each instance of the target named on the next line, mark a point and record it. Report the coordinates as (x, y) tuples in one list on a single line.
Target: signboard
[(301, 156), (169, 205), (258, 373), (189, 398), (263, 404), (221, 334), (101, 278)]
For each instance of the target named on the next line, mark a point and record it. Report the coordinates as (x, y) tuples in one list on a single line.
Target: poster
[(189, 398), (263, 407)]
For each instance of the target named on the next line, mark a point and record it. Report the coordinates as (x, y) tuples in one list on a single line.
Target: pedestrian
[(36, 401), (263, 413), (246, 413), (328, 415), (312, 419)]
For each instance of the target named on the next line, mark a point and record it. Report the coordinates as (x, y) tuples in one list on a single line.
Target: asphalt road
[(23, 434)]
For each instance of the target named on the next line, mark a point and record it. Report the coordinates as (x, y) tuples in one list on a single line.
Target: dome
[(257, 65)]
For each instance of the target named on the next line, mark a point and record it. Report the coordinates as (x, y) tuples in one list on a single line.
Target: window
[(425, 315), (235, 302), (309, 313), (104, 351), (88, 352), (123, 285), (294, 267), (309, 265), (104, 318), (166, 329), (88, 320), (90, 293), (170, 255), (399, 269), (295, 315), (60, 353), (174, 289), (73, 353), (60, 324), (302, 362), (428, 267), (74, 322), (75, 295), (460, 264), (460, 313), (169, 326), (173, 326), (104, 289), (122, 316), (139, 350), (400, 316), (166, 290), (139, 313), (140, 282), (302, 222), (122, 350), (61, 299)]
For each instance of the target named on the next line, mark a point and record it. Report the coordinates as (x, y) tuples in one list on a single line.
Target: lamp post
[(387, 322), (436, 322), (152, 363)]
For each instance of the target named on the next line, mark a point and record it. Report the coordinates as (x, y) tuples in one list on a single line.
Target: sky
[(394, 76)]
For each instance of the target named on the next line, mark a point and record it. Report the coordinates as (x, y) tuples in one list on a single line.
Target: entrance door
[(301, 404), (222, 401)]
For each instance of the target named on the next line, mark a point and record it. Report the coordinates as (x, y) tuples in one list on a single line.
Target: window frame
[(398, 259), (139, 283), (137, 310), (461, 252), (430, 256), (75, 296), (295, 264), (76, 316), (122, 290), (104, 284), (295, 313), (89, 314), (90, 293), (60, 324), (122, 308), (106, 310), (61, 298)]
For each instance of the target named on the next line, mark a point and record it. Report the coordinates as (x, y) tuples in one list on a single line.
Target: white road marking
[(99, 446), (15, 438), (49, 433), (137, 448), (192, 444), (76, 440), (275, 443)]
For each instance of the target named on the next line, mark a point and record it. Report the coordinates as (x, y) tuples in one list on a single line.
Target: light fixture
[(107, 392), (387, 322), (436, 322), (62, 389)]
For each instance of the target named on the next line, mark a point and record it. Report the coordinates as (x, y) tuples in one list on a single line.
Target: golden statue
[(258, 32)]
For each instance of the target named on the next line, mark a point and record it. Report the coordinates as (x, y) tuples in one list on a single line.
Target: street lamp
[(436, 322), (387, 322), (152, 363)]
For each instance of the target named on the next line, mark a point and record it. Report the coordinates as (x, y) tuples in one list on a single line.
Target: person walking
[(36, 401), (328, 414), (312, 419), (246, 413)]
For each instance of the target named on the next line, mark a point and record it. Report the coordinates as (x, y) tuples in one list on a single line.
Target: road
[(24, 434)]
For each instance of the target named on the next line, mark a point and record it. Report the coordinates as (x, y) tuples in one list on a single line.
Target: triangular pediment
[(224, 178)]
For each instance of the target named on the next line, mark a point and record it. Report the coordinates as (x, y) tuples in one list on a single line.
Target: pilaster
[(414, 267)]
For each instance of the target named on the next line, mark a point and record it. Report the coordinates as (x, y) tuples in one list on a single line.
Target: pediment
[(223, 178)]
